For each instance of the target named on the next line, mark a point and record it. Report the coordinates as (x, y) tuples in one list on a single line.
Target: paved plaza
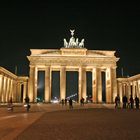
[(54, 122)]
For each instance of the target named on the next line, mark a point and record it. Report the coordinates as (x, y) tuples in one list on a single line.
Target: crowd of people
[(64, 102), (70, 101), (127, 103)]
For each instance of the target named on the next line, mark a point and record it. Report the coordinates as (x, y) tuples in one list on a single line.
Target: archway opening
[(89, 86), (41, 86), (72, 85), (103, 87), (55, 88)]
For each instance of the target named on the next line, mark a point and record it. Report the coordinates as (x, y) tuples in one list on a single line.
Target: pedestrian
[(82, 101), (27, 105), (117, 101), (137, 102), (10, 104), (131, 102), (65, 101), (124, 101), (70, 104)]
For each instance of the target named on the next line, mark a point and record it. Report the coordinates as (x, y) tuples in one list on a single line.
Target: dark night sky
[(36, 25)]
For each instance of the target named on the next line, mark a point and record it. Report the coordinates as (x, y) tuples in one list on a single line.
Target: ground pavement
[(54, 122)]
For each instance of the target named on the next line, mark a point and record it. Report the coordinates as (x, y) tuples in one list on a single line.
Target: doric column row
[(11, 88), (129, 88), (111, 84)]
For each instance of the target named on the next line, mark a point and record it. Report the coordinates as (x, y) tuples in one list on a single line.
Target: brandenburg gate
[(73, 56)]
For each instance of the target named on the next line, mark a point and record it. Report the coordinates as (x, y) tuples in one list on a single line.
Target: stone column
[(62, 83), (11, 88), (111, 85), (120, 91), (94, 85), (1, 87), (123, 89), (4, 89), (9, 93), (108, 85), (133, 90), (137, 88), (13, 92), (18, 92), (99, 85), (50, 83), (36, 84), (7, 90), (24, 91), (47, 84), (114, 84), (84, 84), (129, 90), (80, 84), (31, 83)]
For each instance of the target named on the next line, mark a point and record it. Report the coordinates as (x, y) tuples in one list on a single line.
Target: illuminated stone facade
[(12, 86), (74, 59), (129, 86)]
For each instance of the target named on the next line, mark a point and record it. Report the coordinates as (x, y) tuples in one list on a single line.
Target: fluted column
[(1, 86), (7, 90), (18, 92), (111, 85), (62, 83), (133, 89), (99, 85), (11, 88), (123, 88), (31, 84), (47, 84), (80, 84), (114, 84), (24, 91), (120, 91), (35, 84), (129, 90), (4, 89), (137, 89), (84, 84), (94, 85), (14, 93), (50, 83), (108, 85)]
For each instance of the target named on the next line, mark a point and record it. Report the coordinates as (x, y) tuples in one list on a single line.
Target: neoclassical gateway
[(73, 56)]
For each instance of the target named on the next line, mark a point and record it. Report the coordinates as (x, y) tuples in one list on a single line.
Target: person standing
[(117, 101), (137, 102), (70, 104), (27, 101), (10, 104), (124, 101), (65, 101), (131, 102)]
